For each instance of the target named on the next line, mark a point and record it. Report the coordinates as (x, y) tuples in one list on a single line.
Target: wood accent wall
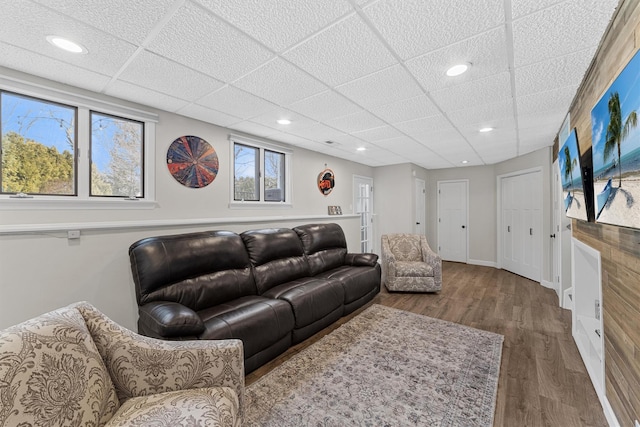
[(619, 247)]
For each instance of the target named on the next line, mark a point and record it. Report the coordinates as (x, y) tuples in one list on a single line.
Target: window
[(116, 156), (38, 146), (260, 172), (64, 150)]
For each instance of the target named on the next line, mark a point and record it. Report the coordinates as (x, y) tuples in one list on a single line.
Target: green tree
[(616, 131), (31, 167), (569, 165), (124, 170)]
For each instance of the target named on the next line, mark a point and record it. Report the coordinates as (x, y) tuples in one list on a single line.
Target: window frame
[(262, 146), (84, 105)]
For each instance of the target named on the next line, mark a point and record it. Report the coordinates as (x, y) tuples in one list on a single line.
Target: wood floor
[(543, 381)]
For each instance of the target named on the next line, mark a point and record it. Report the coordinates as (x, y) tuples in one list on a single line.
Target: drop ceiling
[(357, 73)]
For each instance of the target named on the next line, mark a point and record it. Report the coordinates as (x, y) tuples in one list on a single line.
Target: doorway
[(421, 202), (363, 206), (520, 230), (453, 200)]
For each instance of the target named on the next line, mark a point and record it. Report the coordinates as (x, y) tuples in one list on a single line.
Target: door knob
[(464, 226), (553, 236)]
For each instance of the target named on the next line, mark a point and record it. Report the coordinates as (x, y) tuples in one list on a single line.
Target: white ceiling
[(359, 73)]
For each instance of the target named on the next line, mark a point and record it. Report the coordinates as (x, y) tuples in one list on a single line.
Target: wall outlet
[(73, 234)]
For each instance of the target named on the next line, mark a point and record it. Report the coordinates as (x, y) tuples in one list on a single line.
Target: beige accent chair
[(409, 264), (76, 367)]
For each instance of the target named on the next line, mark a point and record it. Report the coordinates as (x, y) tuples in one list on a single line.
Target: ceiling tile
[(558, 30), (552, 100), (355, 122), (152, 71), (271, 117), (125, 19), (402, 22), (486, 52), (208, 115), (377, 134), (483, 114), (406, 109), (383, 87), (314, 131), (253, 129), (525, 7), (281, 23), (280, 82), (106, 53), (474, 93), (124, 90), (237, 102), (427, 125), (554, 73), (343, 52), (48, 68), (325, 105), (207, 44)]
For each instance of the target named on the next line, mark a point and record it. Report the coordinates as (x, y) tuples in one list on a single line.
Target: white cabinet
[(587, 330)]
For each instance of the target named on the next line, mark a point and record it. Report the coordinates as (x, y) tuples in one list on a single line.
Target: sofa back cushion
[(324, 245), (276, 255), (197, 270), (52, 374)]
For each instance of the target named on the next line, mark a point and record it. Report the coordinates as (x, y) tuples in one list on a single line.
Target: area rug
[(385, 367)]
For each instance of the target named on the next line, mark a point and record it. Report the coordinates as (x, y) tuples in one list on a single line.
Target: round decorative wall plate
[(192, 161), (326, 181)]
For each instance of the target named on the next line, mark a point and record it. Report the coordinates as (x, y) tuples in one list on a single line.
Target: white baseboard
[(549, 285), (482, 263), (609, 414)]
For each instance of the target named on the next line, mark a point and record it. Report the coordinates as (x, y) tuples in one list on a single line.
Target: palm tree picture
[(616, 131), (569, 165)]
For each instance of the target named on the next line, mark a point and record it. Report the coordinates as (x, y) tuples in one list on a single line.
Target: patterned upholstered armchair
[(409, 264), (76, 367)]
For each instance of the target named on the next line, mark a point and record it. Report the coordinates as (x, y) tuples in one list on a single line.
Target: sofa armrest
[(168, 319), (362, 260), (141, 366)]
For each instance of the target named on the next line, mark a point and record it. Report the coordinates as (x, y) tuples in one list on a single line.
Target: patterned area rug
[(385, 367)]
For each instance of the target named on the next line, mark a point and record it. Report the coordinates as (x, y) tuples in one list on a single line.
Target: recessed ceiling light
[(464, 162), (66, 44), (487, 129), (458, 69), (284, 122), (361, 148)]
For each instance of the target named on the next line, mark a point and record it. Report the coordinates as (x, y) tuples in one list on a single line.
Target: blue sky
[(570, 142), (41, 122), (628, 87)]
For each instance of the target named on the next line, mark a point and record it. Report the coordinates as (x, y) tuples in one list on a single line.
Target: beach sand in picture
[(623, 206), (577, 207)]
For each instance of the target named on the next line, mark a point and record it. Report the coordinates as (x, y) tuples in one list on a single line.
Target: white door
[(556, 235), (363, 206), (421, 201), (521, 227), (452, 220)]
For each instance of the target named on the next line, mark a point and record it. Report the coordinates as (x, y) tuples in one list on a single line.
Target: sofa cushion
[(413, 269), (310, 298), (197, 270), (217, 406), (258, 321), (52, 374), (324, 244), (276, 255), (356, 281)]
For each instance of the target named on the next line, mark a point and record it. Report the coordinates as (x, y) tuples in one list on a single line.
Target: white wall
[(44, 271)]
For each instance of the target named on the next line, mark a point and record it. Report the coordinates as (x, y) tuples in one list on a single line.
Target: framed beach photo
[(575, 203), (616, 150)]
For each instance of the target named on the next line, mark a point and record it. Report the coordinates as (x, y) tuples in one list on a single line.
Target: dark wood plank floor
[(543, 381)]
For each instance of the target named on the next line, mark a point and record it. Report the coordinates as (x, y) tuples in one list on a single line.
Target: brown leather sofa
[(271, 288)]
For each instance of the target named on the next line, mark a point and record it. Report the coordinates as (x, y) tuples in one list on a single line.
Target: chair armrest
[(168, 319), (141, 366), (362, 260), (428, 255)]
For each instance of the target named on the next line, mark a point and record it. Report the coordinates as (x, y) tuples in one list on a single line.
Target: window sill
[(48, 203), (260, 205)]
